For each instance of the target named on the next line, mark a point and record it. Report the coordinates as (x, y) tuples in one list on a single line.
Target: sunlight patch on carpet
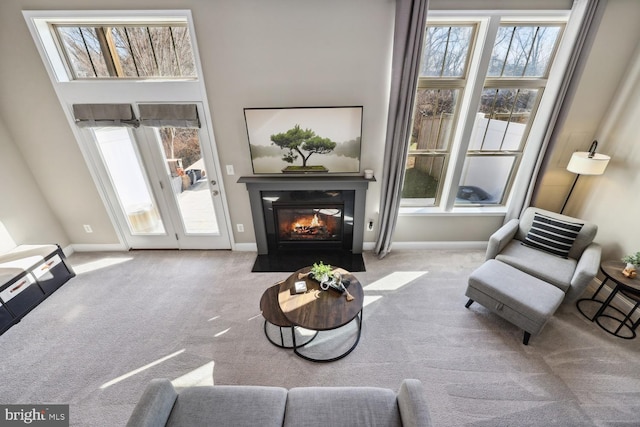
[(222, 332), (394, 281), (98, 264), (137, 371), (201, 376), (368, 299)]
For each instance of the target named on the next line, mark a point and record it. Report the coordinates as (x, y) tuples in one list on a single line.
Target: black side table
[(628, 287)]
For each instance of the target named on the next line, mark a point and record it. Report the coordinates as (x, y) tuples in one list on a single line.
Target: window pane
[(542, 51), (184, 52), (484, 179), (185, 167), (162, 43), (433, 118), (523, 51), (136, 51), (129, 181), (446, 50), (506, 115), (422, 177), (83, 51)]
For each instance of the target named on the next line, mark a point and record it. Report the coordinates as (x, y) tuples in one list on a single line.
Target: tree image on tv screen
[(302, 143)]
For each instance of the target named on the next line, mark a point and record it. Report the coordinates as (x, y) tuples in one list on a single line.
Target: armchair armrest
[(155, 405), (412, 404), (586, 270), (500, 238)]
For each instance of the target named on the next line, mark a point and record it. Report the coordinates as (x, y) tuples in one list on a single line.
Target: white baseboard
[(438, 245), (245, 247), (81, 247)]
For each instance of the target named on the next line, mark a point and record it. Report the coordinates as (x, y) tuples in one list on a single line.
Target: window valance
[(169, 115), (104, 115)]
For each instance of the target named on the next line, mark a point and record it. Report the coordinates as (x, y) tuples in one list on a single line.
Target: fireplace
[(306, 219)]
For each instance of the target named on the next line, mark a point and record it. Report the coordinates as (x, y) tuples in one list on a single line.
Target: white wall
[(25, 216), (606, 108), (269, 53)]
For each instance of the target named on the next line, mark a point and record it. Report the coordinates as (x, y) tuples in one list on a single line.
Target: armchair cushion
[(585, 236), (550, 268), (552, 235)]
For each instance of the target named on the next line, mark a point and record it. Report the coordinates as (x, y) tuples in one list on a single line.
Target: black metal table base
[(281, 344), (296, 347), (626, 322)]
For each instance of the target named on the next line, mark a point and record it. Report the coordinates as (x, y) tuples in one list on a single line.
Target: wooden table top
[(316, 309), (613, 270), (271, 309)]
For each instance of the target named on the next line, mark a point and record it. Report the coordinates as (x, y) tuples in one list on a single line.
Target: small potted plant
[(321, 271), (633, 262)]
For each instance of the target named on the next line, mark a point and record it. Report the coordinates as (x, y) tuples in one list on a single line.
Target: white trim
[(436, 245), (101, 247), (244, 247), (68, 251), (458, 211)]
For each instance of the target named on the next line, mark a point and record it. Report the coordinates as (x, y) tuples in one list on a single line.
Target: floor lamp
[(586, 163)]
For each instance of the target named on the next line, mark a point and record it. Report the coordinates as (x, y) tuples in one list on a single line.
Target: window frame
[(488, 24)]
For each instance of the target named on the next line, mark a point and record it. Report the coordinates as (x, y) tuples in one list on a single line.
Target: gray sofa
[(162, 405)]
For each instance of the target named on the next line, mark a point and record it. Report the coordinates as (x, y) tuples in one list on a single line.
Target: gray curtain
[(589, 26), (101, 115), (169, 115), (408, 38)]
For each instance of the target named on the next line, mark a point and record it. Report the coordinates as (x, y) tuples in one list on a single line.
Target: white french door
[(162, 186)]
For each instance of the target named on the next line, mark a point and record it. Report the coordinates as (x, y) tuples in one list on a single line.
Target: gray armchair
[(571, 274)]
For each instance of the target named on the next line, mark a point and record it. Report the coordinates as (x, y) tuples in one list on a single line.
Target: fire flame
[(306, 224)]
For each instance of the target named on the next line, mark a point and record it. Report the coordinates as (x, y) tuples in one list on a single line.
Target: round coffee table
[(628, 287), (273, 316), (319, 310)]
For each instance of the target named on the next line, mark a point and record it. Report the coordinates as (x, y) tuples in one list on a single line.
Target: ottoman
[(523, 300)]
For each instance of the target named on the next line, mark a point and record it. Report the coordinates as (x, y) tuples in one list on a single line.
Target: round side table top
[(316, 309), (613, 270)]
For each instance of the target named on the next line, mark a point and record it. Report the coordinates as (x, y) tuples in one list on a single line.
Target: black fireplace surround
[(305, 219)]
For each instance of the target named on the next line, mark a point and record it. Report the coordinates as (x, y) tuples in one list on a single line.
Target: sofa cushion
[(341, 406), (229, 406), (552, 235), (550, 268)]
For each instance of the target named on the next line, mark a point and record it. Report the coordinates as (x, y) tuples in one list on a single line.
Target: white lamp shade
[(581, 164)]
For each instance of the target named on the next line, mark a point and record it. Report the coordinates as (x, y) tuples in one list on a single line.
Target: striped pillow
[(552, 235)]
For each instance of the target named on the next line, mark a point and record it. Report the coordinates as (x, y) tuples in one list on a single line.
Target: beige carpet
[(130, 317)]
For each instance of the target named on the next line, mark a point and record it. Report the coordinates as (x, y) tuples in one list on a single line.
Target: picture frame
[(304, 140)]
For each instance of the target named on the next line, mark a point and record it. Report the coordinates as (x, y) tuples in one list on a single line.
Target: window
[(479, 87), (131, 51)]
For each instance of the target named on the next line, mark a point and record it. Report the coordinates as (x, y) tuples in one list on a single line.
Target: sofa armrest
[(412, 404), (586, 270), (500, 238), (155, 405)]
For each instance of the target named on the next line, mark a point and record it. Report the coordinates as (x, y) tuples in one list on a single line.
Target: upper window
[(126, 51), (502, 74)]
